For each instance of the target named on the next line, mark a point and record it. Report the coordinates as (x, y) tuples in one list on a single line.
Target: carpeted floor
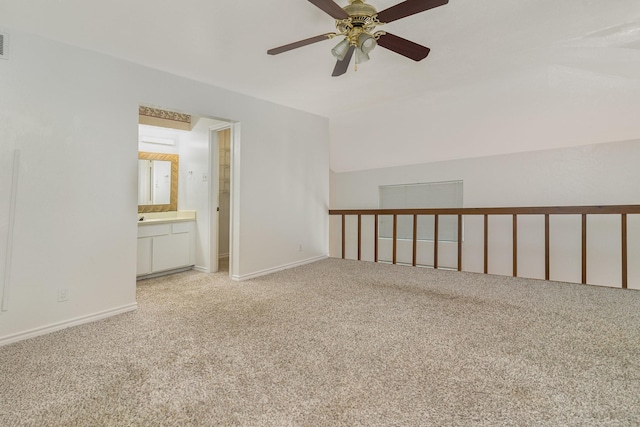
[(338, 343)]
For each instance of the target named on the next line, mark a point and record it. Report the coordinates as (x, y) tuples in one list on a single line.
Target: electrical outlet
[(300, 247), (63, 294)]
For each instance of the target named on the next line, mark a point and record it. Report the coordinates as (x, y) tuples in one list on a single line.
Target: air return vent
[(4, 46)]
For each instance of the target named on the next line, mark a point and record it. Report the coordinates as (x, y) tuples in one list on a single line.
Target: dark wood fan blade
[(404, 47), (408, 8), (300, 43), (342, 66), (331, 8)]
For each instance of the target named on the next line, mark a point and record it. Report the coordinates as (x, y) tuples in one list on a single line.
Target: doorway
[(224, 197), (204, 149), (222, 138)]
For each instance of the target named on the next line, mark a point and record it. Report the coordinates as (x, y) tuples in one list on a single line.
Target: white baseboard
[(43, 330), (276, 269), (206, 270), (167, 272)]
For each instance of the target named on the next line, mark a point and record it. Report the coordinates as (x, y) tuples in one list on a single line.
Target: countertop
[(164, 217)]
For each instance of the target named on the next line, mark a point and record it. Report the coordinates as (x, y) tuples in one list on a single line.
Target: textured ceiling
[(472, 42)]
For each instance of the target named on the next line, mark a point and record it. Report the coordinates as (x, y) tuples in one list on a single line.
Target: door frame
[(214, 193)]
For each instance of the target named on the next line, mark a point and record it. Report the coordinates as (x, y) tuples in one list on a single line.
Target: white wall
[(599, 174), (538, 108), (73, 115)]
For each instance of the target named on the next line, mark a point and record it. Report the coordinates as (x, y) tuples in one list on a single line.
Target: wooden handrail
[(583, 211), (534, 210)]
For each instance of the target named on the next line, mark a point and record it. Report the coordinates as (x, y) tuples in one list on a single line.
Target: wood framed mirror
[(157, 182)]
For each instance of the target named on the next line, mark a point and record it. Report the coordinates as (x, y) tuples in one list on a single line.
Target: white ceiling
[(472, 42)]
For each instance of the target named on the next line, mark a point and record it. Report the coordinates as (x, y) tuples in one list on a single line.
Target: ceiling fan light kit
[(361, 56), (341, 49), (356, 22)]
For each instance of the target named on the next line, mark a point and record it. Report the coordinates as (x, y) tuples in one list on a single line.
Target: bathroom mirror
[(157, 182)]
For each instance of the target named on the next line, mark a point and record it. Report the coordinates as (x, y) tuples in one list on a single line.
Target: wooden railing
[(621, 210)]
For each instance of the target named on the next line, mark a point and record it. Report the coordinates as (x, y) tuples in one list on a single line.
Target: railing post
[(459, 242), (343, 236), (486, 244), (584, 249), (435, 241), (547, 270), (515, 245), (624, 250), (375, 239), (415, 238), (359, 236), (395, 236)]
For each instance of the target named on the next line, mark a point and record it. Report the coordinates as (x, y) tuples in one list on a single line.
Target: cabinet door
[(172, 251), (144, 256)]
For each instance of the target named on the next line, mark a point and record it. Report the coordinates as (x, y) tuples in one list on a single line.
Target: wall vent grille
[(4, 46)]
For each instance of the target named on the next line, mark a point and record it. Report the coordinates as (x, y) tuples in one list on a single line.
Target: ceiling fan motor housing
[(361, 20), (360, 11)]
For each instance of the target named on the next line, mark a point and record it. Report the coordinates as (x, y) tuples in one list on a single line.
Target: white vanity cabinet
[(164, 247)]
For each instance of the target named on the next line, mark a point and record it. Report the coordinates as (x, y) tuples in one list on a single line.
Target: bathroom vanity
[(166, 242)]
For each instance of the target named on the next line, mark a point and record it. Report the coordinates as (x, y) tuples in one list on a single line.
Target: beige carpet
[(338, 343)]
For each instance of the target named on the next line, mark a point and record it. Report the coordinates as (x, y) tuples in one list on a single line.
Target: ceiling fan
[(357, 22)]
